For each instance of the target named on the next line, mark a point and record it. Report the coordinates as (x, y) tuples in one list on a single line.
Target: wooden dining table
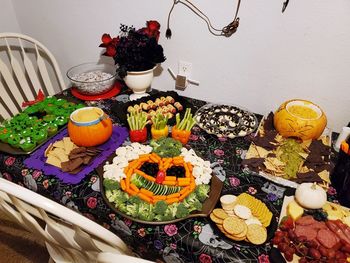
[(191, 240)]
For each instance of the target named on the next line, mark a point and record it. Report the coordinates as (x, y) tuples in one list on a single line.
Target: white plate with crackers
[(246, 219)]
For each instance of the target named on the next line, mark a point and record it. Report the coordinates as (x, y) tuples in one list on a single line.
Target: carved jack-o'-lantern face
[(168, 179)]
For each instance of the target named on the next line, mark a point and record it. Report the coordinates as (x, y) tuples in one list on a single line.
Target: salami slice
[(305, 220), (327, 238), (306, 231)]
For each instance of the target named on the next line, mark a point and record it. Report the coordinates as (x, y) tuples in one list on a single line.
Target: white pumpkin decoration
[(310, 196)]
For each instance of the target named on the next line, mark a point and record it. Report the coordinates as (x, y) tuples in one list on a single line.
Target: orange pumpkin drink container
[(159, 127), (137, 123), (301, 119), (89, 126), (182, 130)]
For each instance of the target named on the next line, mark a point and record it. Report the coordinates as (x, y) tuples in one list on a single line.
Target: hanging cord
[(227, 31)]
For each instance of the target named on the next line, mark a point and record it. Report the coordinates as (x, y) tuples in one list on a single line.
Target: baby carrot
[(169, 182), (172, 200), (170, 178), (184, 190), (130, 191), (175, 195), (183, 183), (159, 197), (145, 197), (122, 184), (134, 188), (146, 192)]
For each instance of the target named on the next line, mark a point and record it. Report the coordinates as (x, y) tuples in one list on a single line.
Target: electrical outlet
[(185, 68)]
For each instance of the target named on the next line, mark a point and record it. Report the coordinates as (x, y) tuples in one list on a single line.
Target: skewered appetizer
[(166, 106)]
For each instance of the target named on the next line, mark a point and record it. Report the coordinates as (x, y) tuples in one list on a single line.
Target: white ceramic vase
[(138, 82)]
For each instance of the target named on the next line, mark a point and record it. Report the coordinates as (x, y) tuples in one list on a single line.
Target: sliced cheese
[(294, 210)]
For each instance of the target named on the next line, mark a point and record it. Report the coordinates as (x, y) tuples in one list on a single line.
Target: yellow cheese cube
[(294, 210)]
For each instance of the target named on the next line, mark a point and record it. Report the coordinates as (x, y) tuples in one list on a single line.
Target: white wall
[(303, 53), (8, 20)]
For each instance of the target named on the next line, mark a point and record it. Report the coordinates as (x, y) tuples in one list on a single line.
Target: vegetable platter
[(169, 103), (159, 183)]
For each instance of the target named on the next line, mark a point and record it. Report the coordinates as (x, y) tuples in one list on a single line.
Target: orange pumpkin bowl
[(89, 126), (301, 119)]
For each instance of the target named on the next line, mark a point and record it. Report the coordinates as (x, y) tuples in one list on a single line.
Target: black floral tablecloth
[(192, 240)]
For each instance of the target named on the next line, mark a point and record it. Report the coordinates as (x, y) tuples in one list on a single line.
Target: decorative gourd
[(300, 118), (89, 126), (310, 196)]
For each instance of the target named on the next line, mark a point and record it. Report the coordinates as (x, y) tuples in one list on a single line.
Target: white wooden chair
[(26, 66), (69, 236)]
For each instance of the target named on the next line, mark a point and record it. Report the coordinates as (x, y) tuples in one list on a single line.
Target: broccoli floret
[(118, 196), (146, 211), (122, 207), (195, 206), (109, 195), (111, 184), (134, 199), (160, 207), (192, 203), (171, 211), (132, 209), (166, 147), (202, 191), (181, 211)]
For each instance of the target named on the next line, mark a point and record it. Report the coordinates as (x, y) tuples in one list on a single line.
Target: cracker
[(220, 213), (253, 220), (59, 144), (216, 219), (235, 238), (68, 145), (48, 149), (233, 226), (53, 160), (60, 154), (256, 234)]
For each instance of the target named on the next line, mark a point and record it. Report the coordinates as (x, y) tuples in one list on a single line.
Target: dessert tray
[(304, 161), (168, 103), (226, 120), (28, 130), (146, 186)]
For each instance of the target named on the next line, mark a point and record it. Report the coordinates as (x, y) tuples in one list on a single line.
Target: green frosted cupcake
[(49, 118), (51, 129), (60, 121), (27, 145), (14, 140), (4, 134), (39, 136)]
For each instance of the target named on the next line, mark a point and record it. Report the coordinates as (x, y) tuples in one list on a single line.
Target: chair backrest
[(67, 234), (26, 66)]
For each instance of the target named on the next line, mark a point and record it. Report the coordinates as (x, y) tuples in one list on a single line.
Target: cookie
[(220, 213), (233, 226), (256, 234)]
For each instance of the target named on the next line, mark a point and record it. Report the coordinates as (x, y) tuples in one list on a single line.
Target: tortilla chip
[(68, 145), (59, 144), (60, 154), (324, 176), (48, 149), (262, 152)]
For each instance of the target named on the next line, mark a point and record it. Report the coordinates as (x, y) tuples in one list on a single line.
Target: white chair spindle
[(44, 73), (5, 96), (18, 71), (28, 65)]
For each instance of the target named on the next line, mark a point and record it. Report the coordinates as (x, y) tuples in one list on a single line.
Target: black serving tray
[(120, 110)]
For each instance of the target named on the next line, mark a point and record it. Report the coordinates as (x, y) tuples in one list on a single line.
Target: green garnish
[(137, 120), (187, 122)]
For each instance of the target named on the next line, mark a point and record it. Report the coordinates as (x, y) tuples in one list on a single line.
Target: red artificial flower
[(106, 39), (153, 25), (110, 51)]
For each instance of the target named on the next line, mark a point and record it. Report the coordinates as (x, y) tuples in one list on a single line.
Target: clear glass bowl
[(92, 78)]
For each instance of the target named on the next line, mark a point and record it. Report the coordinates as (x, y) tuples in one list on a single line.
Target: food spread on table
[(313, 229), (161, 181), (243, 218), (36, 123), (276, 157), (225, 120), (67, 156)]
